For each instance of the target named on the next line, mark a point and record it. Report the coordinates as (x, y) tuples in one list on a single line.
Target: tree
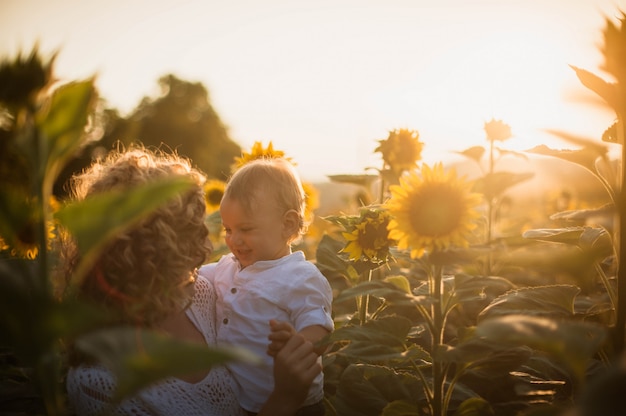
[(181, 118)]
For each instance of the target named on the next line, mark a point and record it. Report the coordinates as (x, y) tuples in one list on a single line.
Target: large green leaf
[(401, 408), (569, 235), (484, 357), (367, 389), (139, 357), (608, 91), (31, 320), (366, 352), (62, 125), (327, 256), (389, 330), (362, 180), (597, 240), (605, 211), (471, 288), (474, 406), (393, 294), (585, 157), (96, 220), (553, 300), (570, 342)]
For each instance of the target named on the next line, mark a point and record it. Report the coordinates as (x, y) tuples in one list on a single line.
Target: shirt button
[(233, 290), (225, 321)]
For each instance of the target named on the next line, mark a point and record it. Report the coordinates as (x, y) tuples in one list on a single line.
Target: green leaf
[(569, 235), (471, 288), (507, 152), (606, 211), (401, 408), (485, 357), (367, 389), (593, 239), (608, 91), (389, 330), (139, 357), (553, 300), (399, 281), (570, 342), (494, 184), (95, 221), (327, 256), (365, 351), (585, 157), (612, 134), (475, 406), (475, 153), (362, 180), (62, 125), (381, 289)]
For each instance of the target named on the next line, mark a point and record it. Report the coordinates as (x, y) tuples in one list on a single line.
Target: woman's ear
[(291, 223)]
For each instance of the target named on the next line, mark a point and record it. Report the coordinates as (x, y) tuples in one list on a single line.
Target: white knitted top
[(90, 388)]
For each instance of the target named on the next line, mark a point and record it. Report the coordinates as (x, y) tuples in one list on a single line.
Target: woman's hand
[(295, 367)]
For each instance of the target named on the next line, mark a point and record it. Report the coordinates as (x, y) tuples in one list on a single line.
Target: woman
[(147, 278)]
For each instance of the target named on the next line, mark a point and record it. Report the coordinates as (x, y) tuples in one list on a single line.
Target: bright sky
[(325, 79)]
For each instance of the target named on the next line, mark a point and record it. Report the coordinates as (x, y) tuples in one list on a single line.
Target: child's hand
[(280, 333)]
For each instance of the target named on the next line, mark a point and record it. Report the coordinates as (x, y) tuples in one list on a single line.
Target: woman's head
[(263, 210), (143, 273)]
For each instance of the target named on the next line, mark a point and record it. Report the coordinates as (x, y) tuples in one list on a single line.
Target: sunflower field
[(450, 297)]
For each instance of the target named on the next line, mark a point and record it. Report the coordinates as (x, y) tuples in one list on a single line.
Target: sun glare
[(521, 77)]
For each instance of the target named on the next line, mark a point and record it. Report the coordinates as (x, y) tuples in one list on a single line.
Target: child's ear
[(291, 222)]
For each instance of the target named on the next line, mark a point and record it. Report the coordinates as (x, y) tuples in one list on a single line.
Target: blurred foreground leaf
[(96, 220), (138, 357)]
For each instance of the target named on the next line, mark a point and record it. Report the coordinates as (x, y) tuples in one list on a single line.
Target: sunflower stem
[(364, 302), (490, 210), (437, 340), (618, 336)]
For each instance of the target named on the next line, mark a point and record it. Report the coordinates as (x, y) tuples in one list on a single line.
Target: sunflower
[(368, 237), (432, 212), (258, 152), (401, 150), (497, 130), (24, 244), (311, 200), (213, 193), (21, 240)]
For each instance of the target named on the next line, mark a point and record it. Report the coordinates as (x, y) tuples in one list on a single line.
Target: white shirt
[(289, 289), (91, 387)]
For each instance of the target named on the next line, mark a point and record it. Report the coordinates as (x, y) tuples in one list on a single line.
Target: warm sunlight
[(314, 77), (520, 76), (313, 207)]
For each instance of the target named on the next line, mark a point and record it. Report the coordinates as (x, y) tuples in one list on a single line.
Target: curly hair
[(141, 275)]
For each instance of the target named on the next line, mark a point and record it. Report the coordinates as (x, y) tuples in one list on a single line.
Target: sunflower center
[(368, 236), (436, 211), (214, 196)]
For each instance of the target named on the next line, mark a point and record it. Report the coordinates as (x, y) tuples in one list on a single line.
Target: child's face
[(255, 236)]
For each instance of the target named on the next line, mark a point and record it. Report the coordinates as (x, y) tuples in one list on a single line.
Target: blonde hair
[(140, 275), (269, 178)]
